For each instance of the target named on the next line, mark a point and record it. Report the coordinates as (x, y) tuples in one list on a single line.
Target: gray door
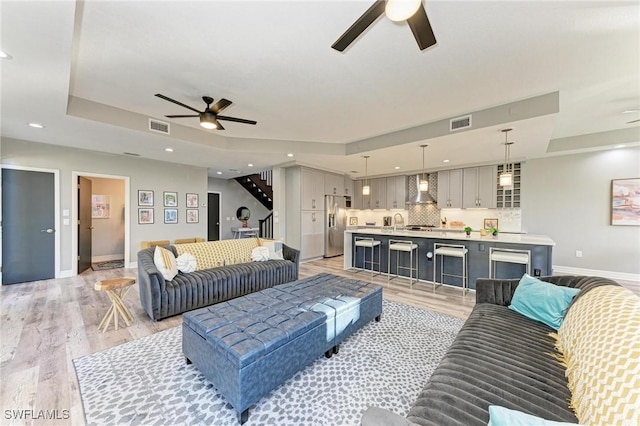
[(84, 224), (28, 241), (213, 219)]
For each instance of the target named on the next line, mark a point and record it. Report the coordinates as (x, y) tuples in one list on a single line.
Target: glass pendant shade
[(366, 190), (506, 179), (401, 10), (423, 186)]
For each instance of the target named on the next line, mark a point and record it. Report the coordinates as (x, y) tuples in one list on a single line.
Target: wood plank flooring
[(46, 324)]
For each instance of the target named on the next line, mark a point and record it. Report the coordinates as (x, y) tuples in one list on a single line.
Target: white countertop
[(532, 239)]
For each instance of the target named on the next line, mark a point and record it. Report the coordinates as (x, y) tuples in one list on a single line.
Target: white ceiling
[(88, 71)]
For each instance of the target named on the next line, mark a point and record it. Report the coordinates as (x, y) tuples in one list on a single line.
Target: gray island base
[(540, 247)]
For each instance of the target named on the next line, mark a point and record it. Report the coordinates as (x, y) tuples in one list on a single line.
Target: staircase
[(259, 185)]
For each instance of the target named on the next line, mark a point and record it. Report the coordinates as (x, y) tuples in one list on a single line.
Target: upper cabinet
[(348, 186), (312, 186), (378, 196), (509, 196), (479, 187), (356, 198), (450, 189), (396, 192), (333, 184)]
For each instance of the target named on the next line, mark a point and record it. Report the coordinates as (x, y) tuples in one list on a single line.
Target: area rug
[(109, 264), (385, 364)]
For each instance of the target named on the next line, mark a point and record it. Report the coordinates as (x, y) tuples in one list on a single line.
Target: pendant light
[(401, 10), (423, 186), (366, 189), (506, 177)]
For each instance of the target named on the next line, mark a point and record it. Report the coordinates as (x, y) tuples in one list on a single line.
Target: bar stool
[(509, 256), (450, 250), (406, 246), (370, 243)]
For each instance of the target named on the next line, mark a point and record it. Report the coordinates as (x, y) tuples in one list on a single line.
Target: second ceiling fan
[(209, 117), (411, 11)]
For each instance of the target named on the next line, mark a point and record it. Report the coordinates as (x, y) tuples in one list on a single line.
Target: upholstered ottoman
[(250, 345)]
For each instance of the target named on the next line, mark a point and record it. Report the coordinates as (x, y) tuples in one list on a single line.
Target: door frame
[(74, 216), (56, 211), (219, 212)]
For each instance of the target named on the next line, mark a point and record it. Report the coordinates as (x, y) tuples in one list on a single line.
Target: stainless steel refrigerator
[(335, 223)]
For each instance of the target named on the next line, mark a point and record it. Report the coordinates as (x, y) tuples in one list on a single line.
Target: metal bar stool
[(509, 256), (367, 242), (406, 246), (451, 250)]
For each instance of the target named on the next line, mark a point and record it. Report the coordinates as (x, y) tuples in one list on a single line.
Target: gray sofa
[(499, 357), (161, 299)]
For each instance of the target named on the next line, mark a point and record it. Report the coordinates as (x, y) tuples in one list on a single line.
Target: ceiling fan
[(209, 117), (411, 11)]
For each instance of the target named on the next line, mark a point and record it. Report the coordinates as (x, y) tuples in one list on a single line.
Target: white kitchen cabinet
[(348, 186), (479, 187), (312, 187), (450, 189), (396, 192), (333, 184), (312, 230)]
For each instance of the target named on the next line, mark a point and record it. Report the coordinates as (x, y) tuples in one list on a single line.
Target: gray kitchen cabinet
[(378, 199), (450, 189), (396, 192), (356, 199), (333, 184), (348, 186), (479, 187), (312, 186)]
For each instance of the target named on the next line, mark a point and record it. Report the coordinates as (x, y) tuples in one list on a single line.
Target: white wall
[(107, 238), (157, 176), (569, 198)]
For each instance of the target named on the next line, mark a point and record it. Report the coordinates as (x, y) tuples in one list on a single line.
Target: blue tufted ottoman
[(250, 345)]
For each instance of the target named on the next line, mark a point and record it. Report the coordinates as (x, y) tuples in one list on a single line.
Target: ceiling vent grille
[(460, 123), (159, 126)]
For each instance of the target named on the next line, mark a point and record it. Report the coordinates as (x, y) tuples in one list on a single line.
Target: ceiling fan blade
[(220, 105), (218, 125), (628, 122), (176, 102), (181, 116), (237, 120), (360, 25), (421, 28)]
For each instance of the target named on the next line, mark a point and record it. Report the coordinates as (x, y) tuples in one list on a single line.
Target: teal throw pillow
[(542, 301), (500, 416)]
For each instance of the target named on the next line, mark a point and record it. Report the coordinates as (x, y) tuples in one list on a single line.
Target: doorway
[(213, 216), (30, 219)]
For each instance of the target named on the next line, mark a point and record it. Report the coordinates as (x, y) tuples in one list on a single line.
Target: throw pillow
[(275, 248), (542, 301), (186, 263), (501, 416), (260, 254), (165, 261)]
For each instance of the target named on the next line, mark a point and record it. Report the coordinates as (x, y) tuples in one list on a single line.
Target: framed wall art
[(625, 202), (170, 199), (193, 216), (170, 215), (192, 200), (100, 206), (145, 216), (145, 198), (490, 223)]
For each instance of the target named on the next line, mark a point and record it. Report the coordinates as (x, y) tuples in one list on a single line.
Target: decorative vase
[(245, 224)]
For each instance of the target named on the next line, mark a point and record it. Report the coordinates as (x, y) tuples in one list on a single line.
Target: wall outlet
[(578, 253)]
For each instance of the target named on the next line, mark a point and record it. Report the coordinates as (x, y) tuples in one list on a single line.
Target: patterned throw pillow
[(275, 248), (600, 340), (186, 263), (165, 261)]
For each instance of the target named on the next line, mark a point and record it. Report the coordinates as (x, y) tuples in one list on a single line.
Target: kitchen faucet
[(398, 221)]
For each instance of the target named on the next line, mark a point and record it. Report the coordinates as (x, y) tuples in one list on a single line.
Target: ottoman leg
[(187, 360), (336, 349), (243, 417), (378, 318), (329, 353)]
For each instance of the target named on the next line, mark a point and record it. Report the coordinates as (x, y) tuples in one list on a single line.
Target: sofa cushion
[(165, 261), (600, 340), (213, 254), (542, 301), (501, 416)]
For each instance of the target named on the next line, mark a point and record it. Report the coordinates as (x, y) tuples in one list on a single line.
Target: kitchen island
[(540, 246)]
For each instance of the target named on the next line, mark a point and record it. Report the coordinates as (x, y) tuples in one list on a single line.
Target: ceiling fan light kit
[(506, 177), (401, 10), (210, 116)]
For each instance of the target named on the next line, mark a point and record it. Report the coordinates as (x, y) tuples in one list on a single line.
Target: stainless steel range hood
[(414, 196)]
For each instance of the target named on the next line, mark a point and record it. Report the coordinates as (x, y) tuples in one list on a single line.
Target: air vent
[(459, 123), (158, 126)]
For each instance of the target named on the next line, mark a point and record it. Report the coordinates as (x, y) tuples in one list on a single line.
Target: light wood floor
[(46, 324)]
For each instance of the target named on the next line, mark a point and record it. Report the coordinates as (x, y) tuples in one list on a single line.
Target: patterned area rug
[(386, 364), (109, 264)]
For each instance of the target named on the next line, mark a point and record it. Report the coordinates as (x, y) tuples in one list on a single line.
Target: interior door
[(84, 224), (28, 241), (213, 217)]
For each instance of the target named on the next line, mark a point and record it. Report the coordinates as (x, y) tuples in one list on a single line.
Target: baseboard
[(133, 265), (598, 273), (66, 274), (107, 257)]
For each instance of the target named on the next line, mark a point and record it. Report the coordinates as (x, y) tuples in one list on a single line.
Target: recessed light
[(169, 149), (4, 55), (36, 125), (445, 161), (397, 167), (620, 146), (218, 173), (250, 165), (289, 155), (630, 111)]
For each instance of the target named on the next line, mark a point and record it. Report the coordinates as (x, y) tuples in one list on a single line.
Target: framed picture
[(353, 220), (192, 200), (170, 215), (145, 216), (145, 198), (100, 206), (490, 223), (170, 199), (625, 202), (193, 215)]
